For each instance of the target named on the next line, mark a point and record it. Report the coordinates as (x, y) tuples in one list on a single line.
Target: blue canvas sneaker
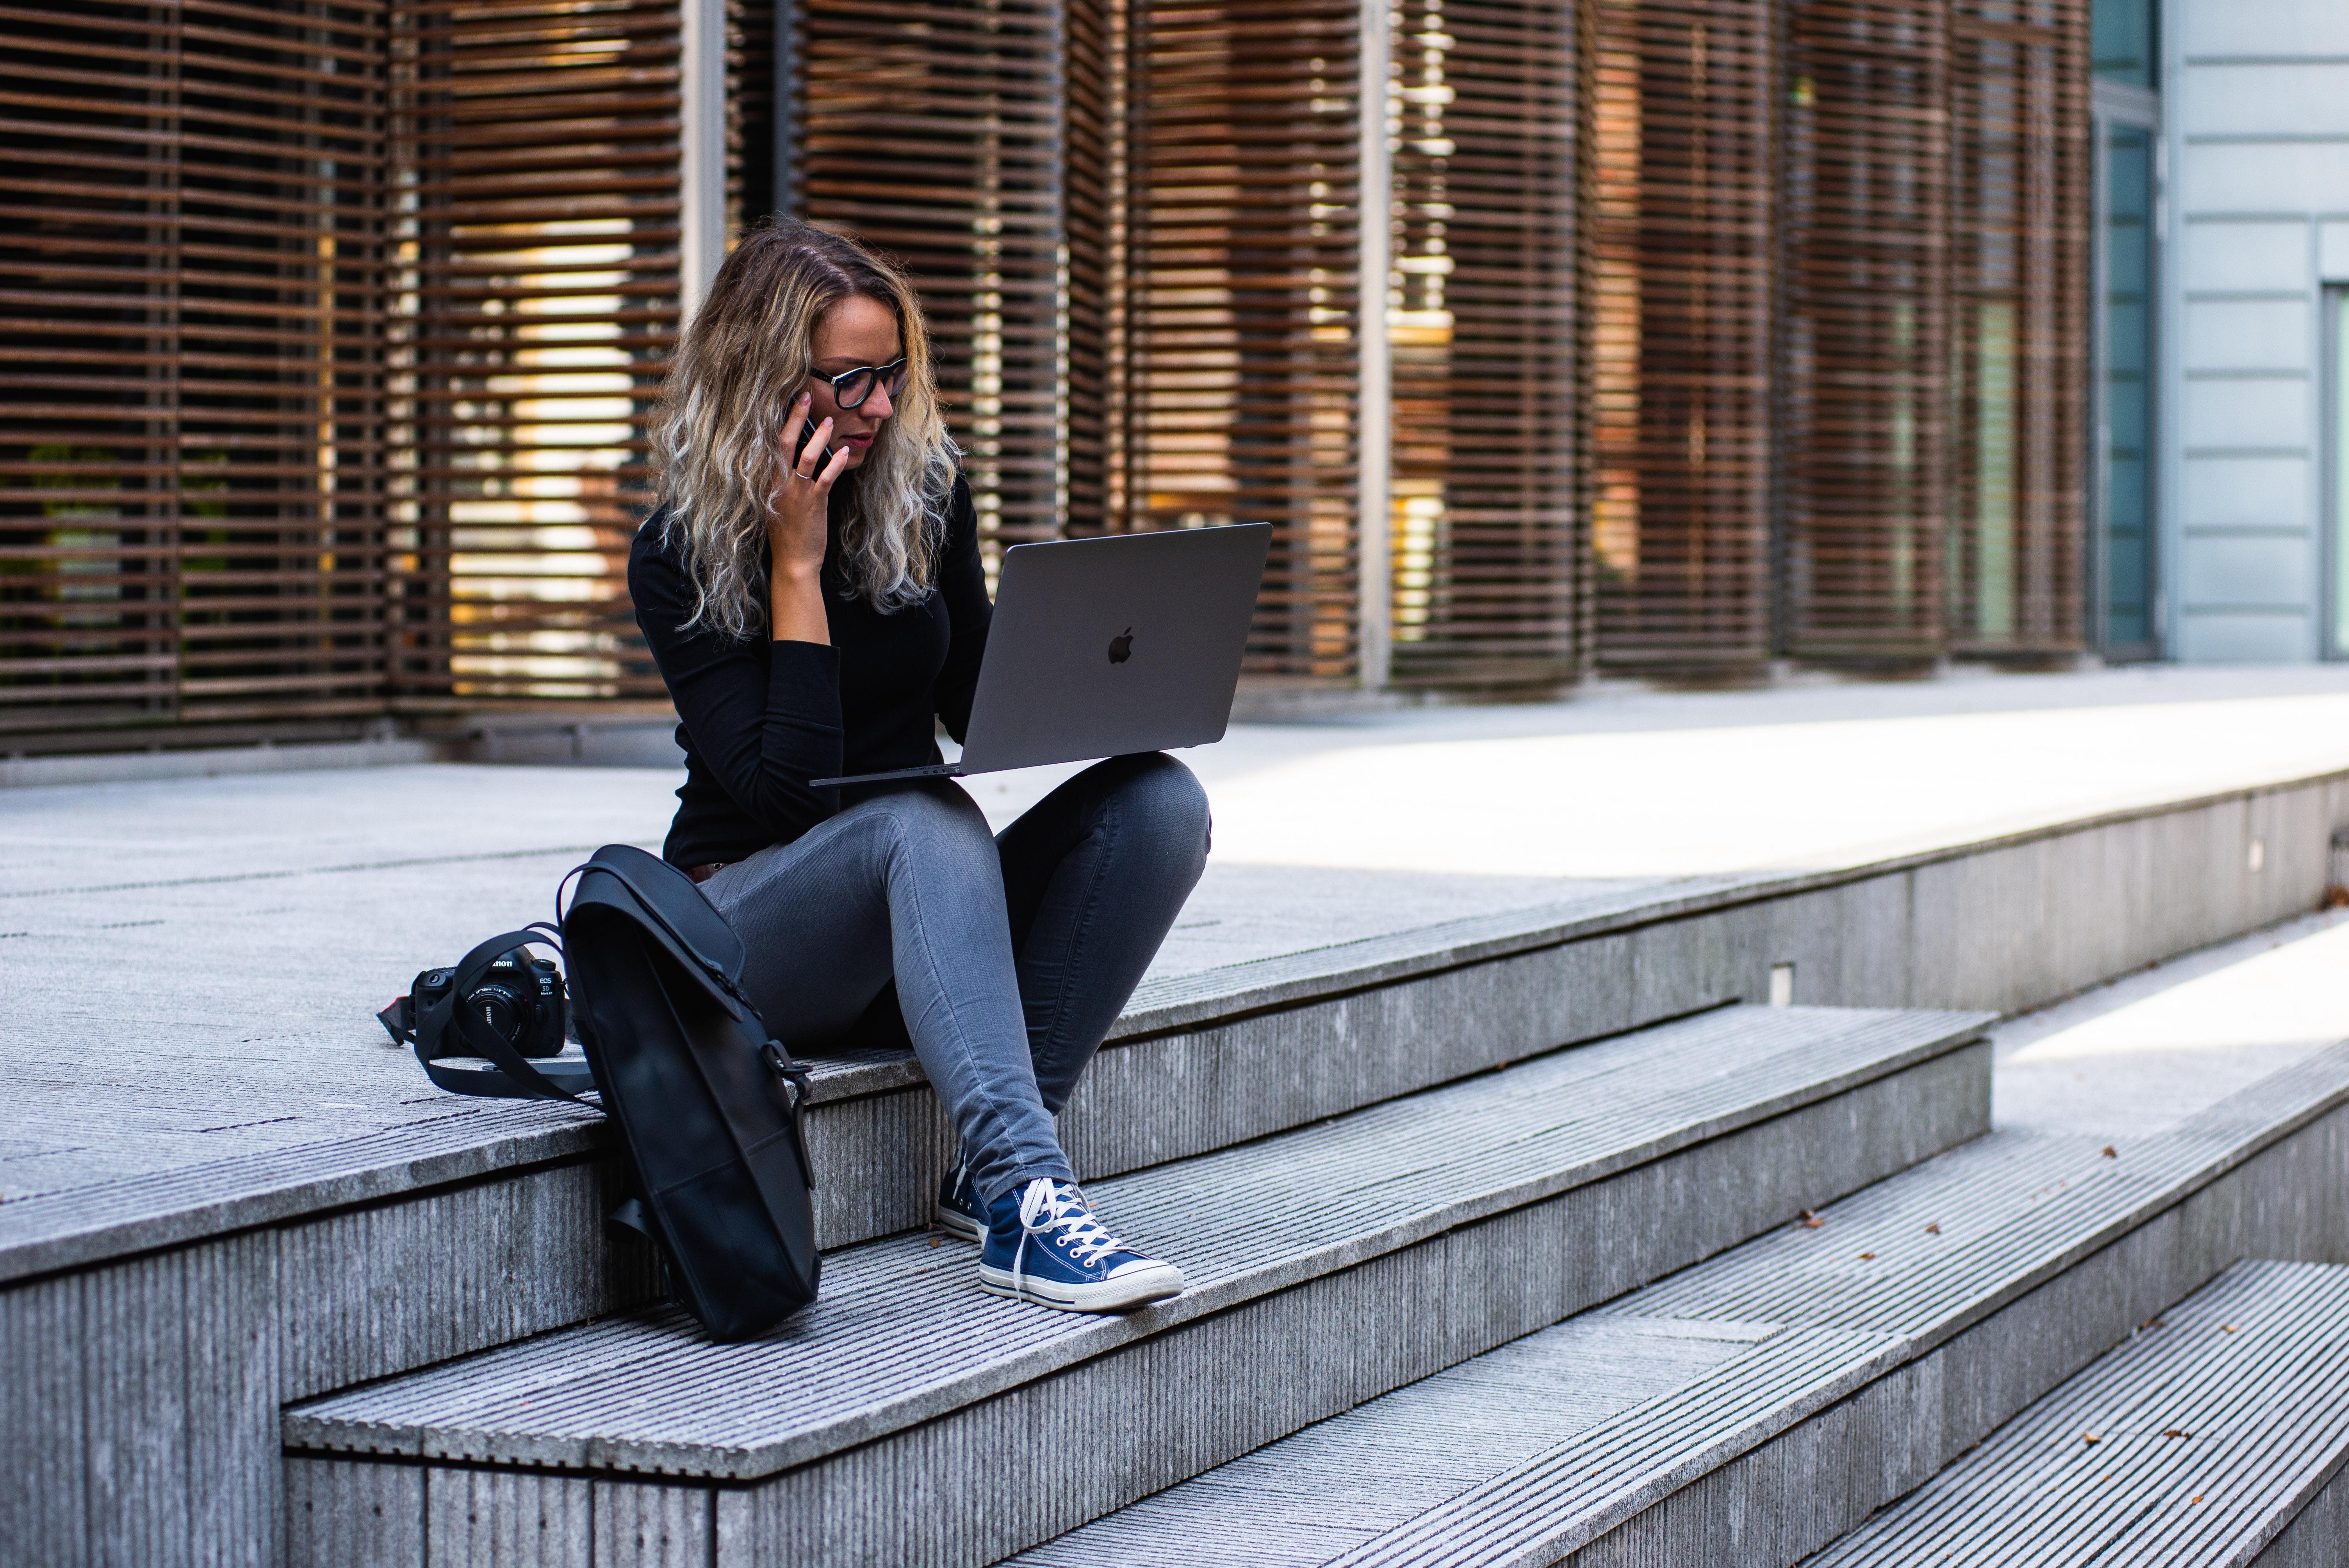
[(960, 1210), (1044, 1246)]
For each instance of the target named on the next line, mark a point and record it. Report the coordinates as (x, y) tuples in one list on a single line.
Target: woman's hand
[(797, 521)]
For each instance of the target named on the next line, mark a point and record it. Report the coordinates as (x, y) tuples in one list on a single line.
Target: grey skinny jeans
[(1009, 958)]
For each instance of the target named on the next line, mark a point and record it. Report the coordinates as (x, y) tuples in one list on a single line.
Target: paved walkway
[(1676, 784), (2151, 1049), (187, 967)]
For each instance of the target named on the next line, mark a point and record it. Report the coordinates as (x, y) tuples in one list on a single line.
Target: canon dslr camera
[(520, 998)]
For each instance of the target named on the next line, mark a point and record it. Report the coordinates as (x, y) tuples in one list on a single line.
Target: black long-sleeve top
[(762, 718)]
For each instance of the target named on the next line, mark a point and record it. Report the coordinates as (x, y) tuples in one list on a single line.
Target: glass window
[(2337, 310), (2123, 41), (2125, 392), (1994, 462)]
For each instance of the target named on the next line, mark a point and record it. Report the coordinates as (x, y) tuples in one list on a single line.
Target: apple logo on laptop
[(1120, 647)]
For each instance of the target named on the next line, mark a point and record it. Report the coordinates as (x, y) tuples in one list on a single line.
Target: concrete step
[(316, 1247), (1754, 1408), (2215, 1436), (197, 1229), (1326, 1265)]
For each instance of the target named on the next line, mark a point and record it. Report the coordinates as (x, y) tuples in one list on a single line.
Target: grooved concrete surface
[(2109, 1104), (2196, 1442), (2143, 1052), (1337, 1485), (1155, 1399), (1851, 1362), (187, 967), (291, 904), (899, 1336)]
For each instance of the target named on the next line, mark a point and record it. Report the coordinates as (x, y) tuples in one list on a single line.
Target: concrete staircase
[(2216, 1435), (1377, 1161), (907, 1418), (1753, 1408)]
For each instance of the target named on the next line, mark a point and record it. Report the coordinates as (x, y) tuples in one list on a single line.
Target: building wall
[(2256, 103)]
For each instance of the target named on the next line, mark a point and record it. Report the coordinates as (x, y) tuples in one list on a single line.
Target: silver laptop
[(1103, 646)]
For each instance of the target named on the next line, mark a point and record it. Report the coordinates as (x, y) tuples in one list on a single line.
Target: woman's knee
[(931, 817), (1168, 797)]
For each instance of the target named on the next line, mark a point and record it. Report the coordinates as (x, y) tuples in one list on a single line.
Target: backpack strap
[(793, 1077), (652, 907), (515, 1078)]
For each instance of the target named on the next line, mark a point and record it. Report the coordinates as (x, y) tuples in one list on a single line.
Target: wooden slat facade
[(192, 435), (1095, 96), (2019, 93), (935, 130), (1717, 333), (533, 311), (1480, 321), (751, 190), (1683, 127), (1242, 301), (1864, 340)]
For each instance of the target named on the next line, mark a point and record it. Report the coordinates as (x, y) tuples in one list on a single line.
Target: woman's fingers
[(820, 493), (794, 421), (813, 450)]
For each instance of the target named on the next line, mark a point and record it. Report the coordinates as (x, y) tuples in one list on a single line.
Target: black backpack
[(709, 1105)]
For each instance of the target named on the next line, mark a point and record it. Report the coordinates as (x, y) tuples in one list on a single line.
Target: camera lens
[(501, 1007)]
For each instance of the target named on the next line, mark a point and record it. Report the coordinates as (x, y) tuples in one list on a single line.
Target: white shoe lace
[(1046, 1206)]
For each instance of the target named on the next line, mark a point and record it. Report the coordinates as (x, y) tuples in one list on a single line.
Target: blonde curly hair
[(730, 389)]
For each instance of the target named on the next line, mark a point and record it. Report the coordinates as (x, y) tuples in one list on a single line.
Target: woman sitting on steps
[(814, 608)]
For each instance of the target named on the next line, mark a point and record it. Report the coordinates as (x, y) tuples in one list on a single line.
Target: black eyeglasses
[(851, 387)]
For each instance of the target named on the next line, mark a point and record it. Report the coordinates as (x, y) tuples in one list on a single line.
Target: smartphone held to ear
[(807, 434)]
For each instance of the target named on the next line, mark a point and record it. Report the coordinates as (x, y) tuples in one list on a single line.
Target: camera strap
[(510, 1075)]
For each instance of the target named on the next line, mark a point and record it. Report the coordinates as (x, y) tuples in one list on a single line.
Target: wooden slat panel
[(749, 112), (1683, 120), (1481, 322), (1865, 340), (2018, 81), (331, 313), (1093, 36), (191, 443), (1241, 299), (536, 303), (933, 130)]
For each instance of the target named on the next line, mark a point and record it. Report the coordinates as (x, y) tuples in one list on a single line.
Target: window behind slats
[(1716, 331), (535, 300), (1683, 122), (192, 444), (1242, 304), (933, 130), (2019, 324), (1863, 474), (1480, 318)]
